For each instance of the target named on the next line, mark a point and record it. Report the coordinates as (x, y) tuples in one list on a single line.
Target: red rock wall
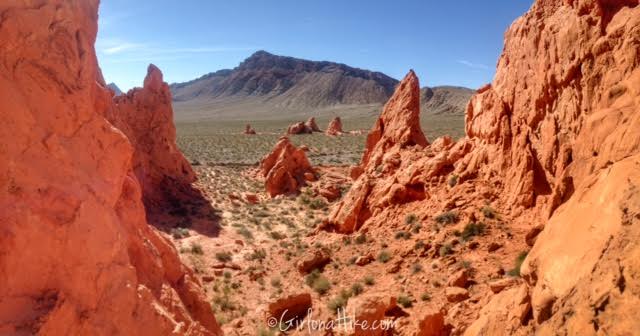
[(76, 254)]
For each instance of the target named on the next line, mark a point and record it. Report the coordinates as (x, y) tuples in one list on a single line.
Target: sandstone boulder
[(432, 324), (335, 127), (285, 169), (372, 309), (456, 294), (313, 259), (293, 307)]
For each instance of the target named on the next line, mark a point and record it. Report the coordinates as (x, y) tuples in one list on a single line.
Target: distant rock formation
[(299, 128), (285, 169), (77, 256), (335, 127), (248, 130), (116, 90), (145, 116), (311, 125)]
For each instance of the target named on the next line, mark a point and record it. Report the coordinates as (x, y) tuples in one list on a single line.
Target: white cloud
[(473, 65)]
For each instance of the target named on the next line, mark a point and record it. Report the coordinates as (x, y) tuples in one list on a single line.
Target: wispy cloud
[(122, 51), (473, 65)]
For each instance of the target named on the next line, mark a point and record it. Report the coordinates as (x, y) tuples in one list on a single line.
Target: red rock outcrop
[(394, 137), (145, 116), (311, 125), (248, 130), (553, 140), (285, 169), (77, 256), (299, 128), (292, 307), (335, 127)]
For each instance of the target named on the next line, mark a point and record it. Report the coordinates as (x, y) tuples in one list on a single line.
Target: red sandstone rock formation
[(335, 127), (285, 169), (76, 254), (298, 128), (553, 140), (311, 125), (248, 130), (145, 116), (395, 134)]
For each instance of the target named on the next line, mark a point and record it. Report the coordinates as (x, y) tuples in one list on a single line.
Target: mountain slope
[(115, 88), (270, 86)]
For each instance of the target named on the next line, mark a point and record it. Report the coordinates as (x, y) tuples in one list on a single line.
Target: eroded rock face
[(145, 116), (77, 256), (394, 136), (292, 307), (335, 127), (285, 169), (552, 141)]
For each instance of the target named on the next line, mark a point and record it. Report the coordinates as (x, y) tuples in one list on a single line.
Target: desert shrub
[(357, 289), (488, 212), (275, 282), (258, 254), (445, 249), (223, 256), (244, 232), (196, 249), (405, 301), (361, 239), (453, 180), (384, 256), (425, 297), (416, 268), (317, 204), (277, 235), (402, 235), (448, 217), (419, 245), (410, 219), (472, 229), (369, 280), (518, 263), (179, 233), (318, 282), (337, 303)]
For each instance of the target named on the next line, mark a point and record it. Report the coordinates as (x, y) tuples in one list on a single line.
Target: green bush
[(369, 280), (410, 219), (488, 212), (384, 256), (357, 289), (405, 301), (472, 229), (448, 217), (196, 249), (402, 235)]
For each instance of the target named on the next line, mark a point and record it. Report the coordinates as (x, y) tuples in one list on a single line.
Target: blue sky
[(445, 42)]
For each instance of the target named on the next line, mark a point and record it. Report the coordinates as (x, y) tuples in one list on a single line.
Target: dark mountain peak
[(115, 88)]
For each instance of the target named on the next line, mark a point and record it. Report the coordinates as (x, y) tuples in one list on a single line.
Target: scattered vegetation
[(405, 301), (361, 239), (488, 212), (318, 282), (425, 296), (179, 233), (196, 249), (223, 256), (357, 289), (411, 219), (402, 235), (369, 280), (384, 256), (472, 229), (518, 263), (448, 217), (453, 180), (445, 250)]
